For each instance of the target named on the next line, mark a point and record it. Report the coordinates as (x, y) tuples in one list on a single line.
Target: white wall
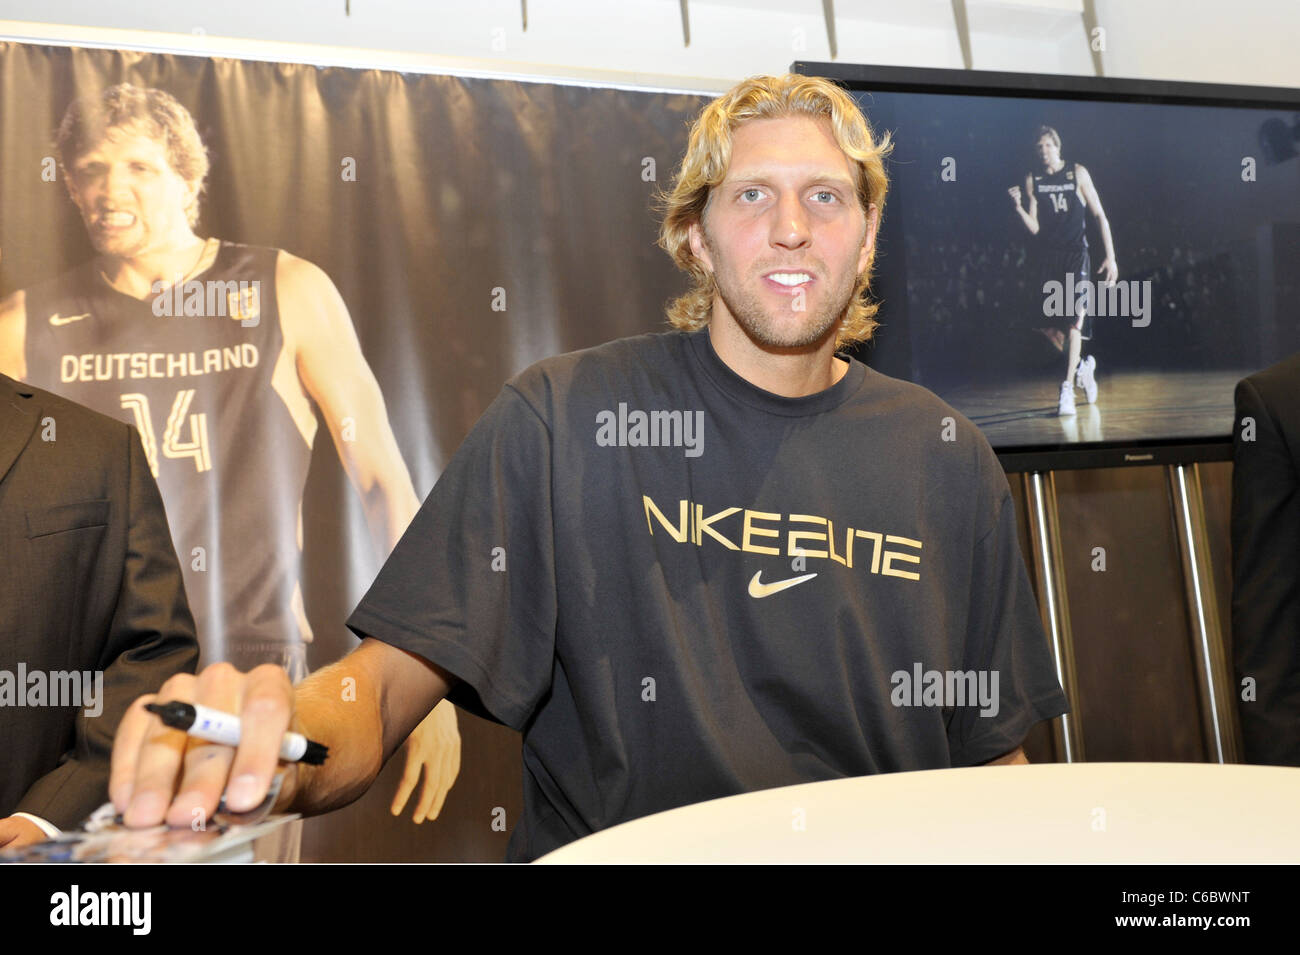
[(1207, 41), (640, 41)]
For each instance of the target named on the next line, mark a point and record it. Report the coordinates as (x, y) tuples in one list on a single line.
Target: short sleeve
[(471, 585), (1005, 643)]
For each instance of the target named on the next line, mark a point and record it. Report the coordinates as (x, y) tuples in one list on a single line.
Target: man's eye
[(750, 195), (825, 196)]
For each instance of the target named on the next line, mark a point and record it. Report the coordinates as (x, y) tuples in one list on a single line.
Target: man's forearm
[(1106, 239), (361, 708), (340, 707), (389, 507), (379, 476)]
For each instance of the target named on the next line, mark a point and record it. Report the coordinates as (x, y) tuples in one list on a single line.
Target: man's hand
[(1014, 193), (1111, 268), (1016, 757), (162, 775), (435, 746), (16, 832)]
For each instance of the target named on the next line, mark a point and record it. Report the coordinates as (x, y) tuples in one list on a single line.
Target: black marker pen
[(218, 727)]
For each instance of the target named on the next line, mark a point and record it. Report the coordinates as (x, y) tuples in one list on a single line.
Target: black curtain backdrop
[(465, 190)]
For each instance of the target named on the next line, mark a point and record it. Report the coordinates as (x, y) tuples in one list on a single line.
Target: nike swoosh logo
[(759, 589), (57, 319)]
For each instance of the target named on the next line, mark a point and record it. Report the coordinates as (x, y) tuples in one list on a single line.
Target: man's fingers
[(126, 749), (439, 782), (161, 774), (410, 776), (447, 778), (159, 760), (429, 794), (16, 832), (207, 765), (264, 715)]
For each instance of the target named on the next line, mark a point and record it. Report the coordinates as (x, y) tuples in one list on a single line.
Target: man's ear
[(698, 247), (869, 238)]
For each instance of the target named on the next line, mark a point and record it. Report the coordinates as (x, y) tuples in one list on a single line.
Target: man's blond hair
[(153, 112), (1051, 134), (708, 155)]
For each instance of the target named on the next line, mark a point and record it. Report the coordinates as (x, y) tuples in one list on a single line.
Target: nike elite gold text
[(792, 535)]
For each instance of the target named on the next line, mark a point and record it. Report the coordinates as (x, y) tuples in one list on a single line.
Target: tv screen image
[(1160, 221)]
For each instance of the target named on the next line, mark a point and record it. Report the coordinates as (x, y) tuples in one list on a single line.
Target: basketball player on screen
[(1057, 196), (221, 355)]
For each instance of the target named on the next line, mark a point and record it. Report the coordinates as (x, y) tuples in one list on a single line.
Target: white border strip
[(144, 41)]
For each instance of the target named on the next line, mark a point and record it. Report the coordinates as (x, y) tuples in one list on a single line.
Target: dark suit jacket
[(88, 581), (1266, 562)]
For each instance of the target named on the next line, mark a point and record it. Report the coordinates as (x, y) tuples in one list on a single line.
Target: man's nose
[(790, 226), (116, 182)]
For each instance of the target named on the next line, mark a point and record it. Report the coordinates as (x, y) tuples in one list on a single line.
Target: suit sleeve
[(1265, 588), (151, 636)]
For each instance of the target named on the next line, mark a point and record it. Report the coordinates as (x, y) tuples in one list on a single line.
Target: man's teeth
[(117, 219), (790, 278)]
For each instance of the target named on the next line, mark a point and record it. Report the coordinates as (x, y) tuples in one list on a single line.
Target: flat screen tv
[(994, 245)]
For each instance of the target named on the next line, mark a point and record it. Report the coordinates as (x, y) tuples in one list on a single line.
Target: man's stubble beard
[(757, 322), (759, 325), (120, 247), (116, 249)]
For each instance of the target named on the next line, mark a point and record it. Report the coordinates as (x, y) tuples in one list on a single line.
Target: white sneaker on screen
[(1066, 406), (1086, 378)]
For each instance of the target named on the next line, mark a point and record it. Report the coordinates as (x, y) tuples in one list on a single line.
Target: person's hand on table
[(16, 832), (162, 775)]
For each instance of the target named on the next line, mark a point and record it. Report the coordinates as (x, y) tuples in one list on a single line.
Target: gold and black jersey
[(192, 368), (1060, 209)]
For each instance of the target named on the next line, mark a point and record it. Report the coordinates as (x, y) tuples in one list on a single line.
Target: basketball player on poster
[(221, 355), (1057, 197)]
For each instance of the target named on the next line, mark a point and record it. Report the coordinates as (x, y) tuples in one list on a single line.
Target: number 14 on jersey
[(173, 446)]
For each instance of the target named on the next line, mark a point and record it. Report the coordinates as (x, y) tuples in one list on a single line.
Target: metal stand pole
[(1213, 675), (1053, 603)]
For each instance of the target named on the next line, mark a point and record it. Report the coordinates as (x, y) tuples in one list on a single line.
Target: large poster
[(302, 285)]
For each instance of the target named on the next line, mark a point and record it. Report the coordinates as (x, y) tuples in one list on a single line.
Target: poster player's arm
[(1028, 216), (1088, 192), (13, 336), (336, 376)]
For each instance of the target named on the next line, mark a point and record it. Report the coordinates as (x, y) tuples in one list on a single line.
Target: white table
[(1050, 812)]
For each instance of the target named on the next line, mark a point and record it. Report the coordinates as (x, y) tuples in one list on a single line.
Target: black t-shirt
[(739, 592)]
